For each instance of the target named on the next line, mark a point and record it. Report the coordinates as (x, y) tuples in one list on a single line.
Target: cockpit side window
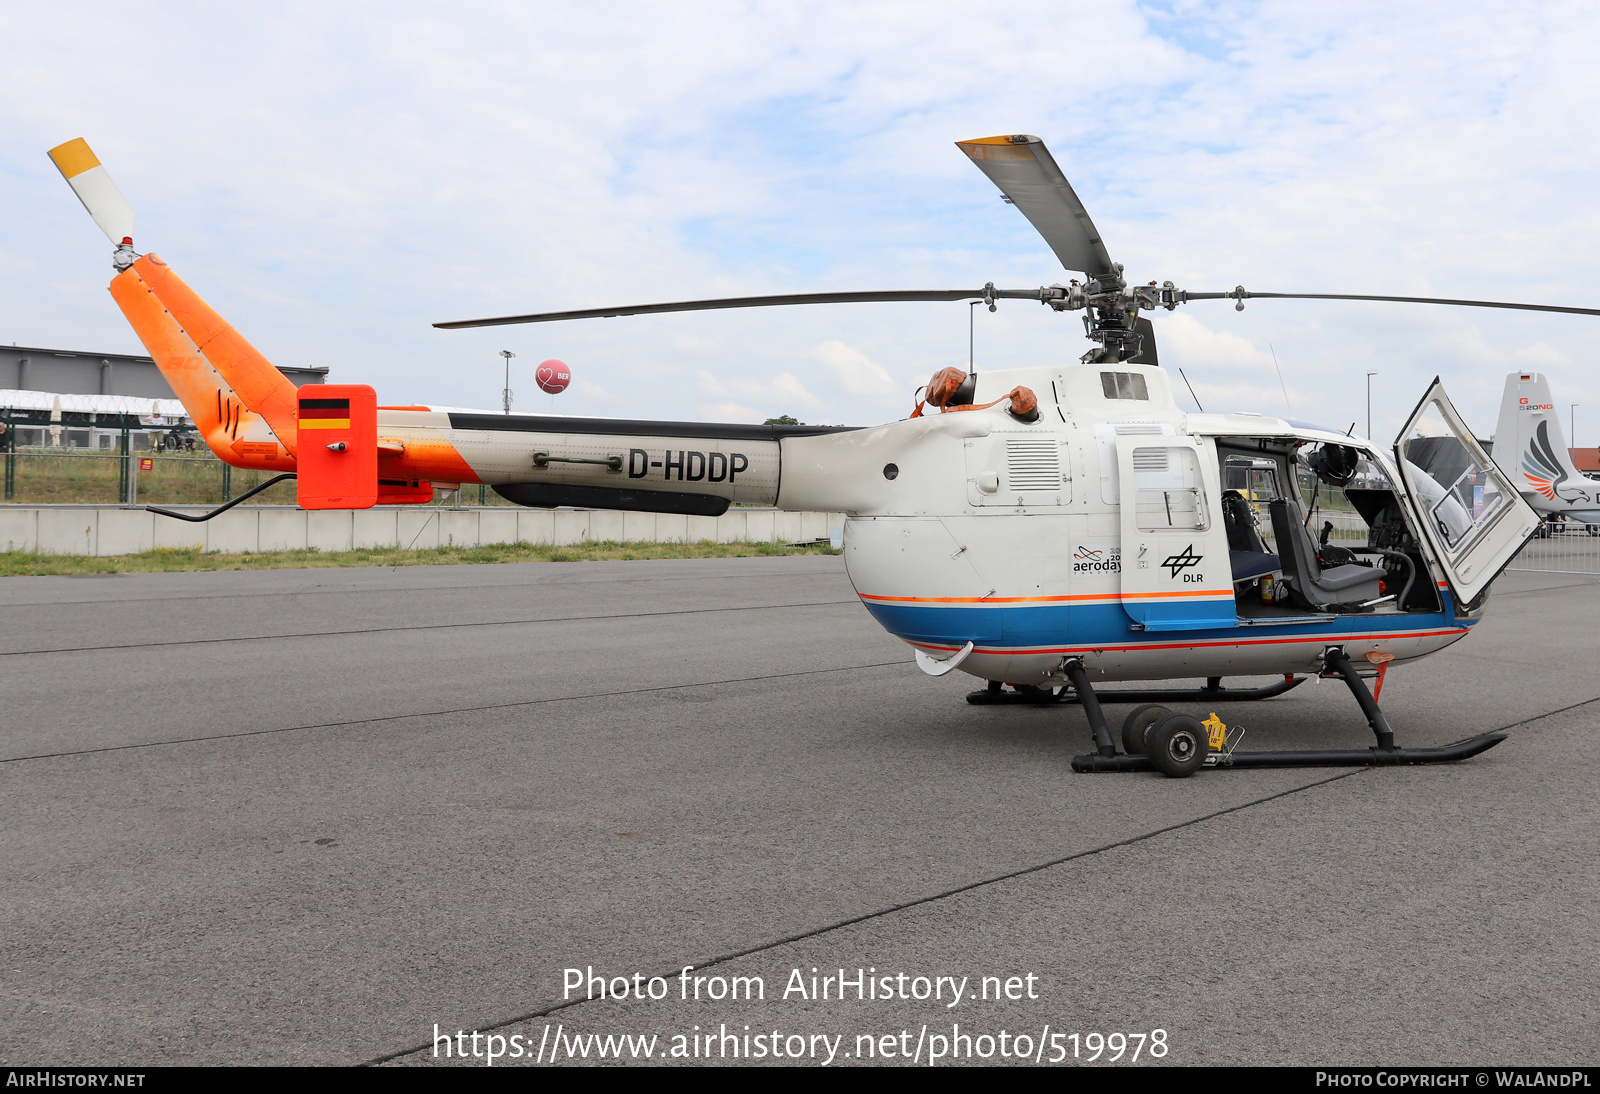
[(1124, 385)]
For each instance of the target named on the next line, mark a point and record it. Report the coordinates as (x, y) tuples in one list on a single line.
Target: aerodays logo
[(1097, 560)]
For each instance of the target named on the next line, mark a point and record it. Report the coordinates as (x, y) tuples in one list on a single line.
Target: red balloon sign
[(552, 376)]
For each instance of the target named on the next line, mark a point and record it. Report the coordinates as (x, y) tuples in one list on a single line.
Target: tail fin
[(261, 387), (1528, 442), (232, 430)]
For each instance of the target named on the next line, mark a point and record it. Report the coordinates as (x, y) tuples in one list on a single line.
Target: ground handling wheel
[(1138, 724), (1177, 745)]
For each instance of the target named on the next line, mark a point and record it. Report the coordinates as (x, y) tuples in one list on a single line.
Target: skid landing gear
[(1213, 692), (997, 695), (1170, 744)]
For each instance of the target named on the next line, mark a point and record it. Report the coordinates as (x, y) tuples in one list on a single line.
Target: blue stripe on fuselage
[(1049, 626)]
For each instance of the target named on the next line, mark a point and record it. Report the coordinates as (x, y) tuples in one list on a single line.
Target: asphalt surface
[(306, 816)]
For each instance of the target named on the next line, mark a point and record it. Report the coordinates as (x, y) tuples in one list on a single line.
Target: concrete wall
[(107, 530)]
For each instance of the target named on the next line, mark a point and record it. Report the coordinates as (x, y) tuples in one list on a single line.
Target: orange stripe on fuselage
[(428, 456)]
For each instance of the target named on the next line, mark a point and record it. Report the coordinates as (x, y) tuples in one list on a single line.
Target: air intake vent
[(1149, 459), (1033, 463)]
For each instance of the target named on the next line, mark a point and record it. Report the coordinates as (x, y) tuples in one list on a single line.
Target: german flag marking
[(321, 408), (324, 413)]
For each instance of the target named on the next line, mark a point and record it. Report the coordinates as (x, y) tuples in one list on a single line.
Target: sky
[(334, 178)]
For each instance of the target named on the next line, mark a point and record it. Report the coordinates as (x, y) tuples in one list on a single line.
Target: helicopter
[(1048, 530)]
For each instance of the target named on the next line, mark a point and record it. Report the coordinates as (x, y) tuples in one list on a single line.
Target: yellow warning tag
[(1219, 731)]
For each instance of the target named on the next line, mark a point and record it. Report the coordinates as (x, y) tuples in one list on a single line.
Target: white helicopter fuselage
[(1011, 536)]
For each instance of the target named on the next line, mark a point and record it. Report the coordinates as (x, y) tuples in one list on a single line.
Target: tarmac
[(320, 816)]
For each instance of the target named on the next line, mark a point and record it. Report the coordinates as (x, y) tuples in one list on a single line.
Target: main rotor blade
[(1249, 295), (1027, 175), (988, 293)]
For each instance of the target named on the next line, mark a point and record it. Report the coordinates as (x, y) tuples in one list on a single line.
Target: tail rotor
[(92, 183)]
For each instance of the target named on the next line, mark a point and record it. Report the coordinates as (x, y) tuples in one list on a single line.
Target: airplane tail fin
[(1529, 444), (244, 407)]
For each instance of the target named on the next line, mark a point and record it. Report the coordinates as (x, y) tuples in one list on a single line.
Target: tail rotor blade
[(93, 185)]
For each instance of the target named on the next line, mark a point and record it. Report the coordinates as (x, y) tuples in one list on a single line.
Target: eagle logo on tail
[(1541, 467)]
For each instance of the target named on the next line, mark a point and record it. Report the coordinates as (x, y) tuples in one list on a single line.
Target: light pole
[(1572, 417), (505, 396), (1370, 374)]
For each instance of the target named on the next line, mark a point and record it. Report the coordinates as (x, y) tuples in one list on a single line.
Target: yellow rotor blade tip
[(73, 158)]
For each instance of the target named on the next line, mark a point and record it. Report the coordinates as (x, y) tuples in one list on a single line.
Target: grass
[(183, 560), (68, 476), (82, 476)]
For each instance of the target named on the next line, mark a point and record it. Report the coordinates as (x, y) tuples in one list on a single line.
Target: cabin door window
[(1176, 573)]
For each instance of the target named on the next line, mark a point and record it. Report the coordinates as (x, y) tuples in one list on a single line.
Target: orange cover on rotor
[(338, 456)]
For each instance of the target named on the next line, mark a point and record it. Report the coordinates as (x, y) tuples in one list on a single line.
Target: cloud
[(363, 178), (709, 384), (856, 373), (693, 344), (726, 412)]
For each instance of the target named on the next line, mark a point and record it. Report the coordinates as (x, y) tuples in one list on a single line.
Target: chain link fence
[(1561, 547)]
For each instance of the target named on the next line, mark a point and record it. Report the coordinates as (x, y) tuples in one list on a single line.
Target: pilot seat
[(1337, 588)]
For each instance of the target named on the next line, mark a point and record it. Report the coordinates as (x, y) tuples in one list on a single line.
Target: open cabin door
[(1469, 511), (1176, 575)]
